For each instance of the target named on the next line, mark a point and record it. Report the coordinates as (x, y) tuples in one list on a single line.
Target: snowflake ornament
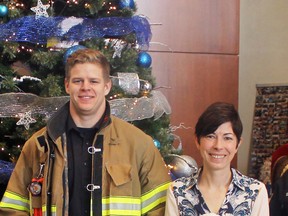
[(118, 47), (26, 120), (40, 9)]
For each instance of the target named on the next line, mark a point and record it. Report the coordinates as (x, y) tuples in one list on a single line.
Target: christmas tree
[(36, 38)]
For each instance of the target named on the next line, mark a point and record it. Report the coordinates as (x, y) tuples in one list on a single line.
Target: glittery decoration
[(129, 82), (40, 9), (131, 109), (26, 105), (118, 47), (68, 23), (160, 104), (14, 104), (39, 30), (26, 120), (6, 169), (21, 79)]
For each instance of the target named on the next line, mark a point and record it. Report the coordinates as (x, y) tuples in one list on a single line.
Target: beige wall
[(200, 61), (263, 58)]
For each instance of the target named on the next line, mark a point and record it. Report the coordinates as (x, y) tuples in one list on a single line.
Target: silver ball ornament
[(183, 166), (145, 88)]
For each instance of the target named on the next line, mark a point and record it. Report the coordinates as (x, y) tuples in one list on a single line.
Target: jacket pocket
[(120, 173), (119, 179)]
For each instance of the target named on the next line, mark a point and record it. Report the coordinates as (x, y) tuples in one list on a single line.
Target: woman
[(217, 189)]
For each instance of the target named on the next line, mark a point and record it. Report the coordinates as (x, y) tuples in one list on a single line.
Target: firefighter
[(86, 161)]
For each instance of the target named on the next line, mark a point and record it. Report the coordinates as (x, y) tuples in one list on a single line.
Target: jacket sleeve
[(15, 200), (155, 181), (279, 200), (275, 202)]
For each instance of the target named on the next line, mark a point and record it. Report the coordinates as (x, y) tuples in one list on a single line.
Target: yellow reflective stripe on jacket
[(15, 201), (131, 206), (127, 206), (53, 209), (154, 197)]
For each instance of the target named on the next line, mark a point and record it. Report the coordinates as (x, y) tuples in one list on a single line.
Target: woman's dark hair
[(214, 116)]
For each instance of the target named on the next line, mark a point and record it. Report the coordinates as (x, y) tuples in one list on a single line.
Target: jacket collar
[(56, 125)]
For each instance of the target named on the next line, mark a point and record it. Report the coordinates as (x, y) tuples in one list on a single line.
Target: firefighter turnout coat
[(134, 175)]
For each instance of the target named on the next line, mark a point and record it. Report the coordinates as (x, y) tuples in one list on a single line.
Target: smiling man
[(86, 162)]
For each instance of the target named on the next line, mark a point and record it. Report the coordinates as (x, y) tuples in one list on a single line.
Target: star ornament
[(40, 9), (26, 120)]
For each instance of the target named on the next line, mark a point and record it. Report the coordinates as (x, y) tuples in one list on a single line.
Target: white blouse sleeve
[(261, 205), (171, 208)]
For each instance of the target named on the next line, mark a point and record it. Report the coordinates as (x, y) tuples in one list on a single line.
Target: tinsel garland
[(6, 169), (38, 30), (128, 109)]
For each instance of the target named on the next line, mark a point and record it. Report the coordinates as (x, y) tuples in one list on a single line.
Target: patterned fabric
[(239, 200)]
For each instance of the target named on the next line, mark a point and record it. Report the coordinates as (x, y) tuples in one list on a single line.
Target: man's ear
[(66, 84), (108, 86)]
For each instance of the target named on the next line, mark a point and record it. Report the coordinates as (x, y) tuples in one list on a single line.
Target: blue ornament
[(173, 177), (156, 143), (3, 10), (126, 4), (71, 50), (144, 60)]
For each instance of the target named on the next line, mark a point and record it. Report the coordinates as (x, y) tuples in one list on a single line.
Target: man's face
[(87, 89)]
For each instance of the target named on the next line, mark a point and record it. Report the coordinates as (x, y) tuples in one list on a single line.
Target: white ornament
[(118, 47), (68, 23), (40, 9), (21, 79), (129, 82), (26, 120)]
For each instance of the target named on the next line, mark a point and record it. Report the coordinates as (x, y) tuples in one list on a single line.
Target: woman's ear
[(196, 142), (239, 143)]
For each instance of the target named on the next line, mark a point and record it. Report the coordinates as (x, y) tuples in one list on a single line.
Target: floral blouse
[(245, 196)]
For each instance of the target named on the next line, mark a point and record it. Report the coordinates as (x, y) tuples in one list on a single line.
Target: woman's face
[(218, 148)]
